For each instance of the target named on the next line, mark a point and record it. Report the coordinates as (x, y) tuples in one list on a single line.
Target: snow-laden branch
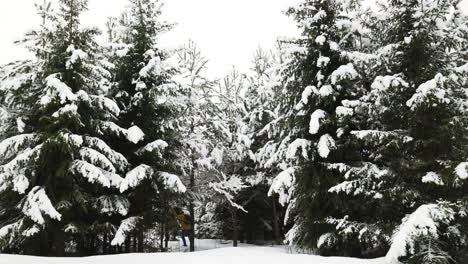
[(325, 145), (283, 185), (13, 173), (125, 227), (462, 171), (425, 221), (228, 187), (37, 204), (157, 145), (315, 121), (381, 135), (137, 175), (11, 146), (57, 88), (134, 177), (299, 144), (95, 174), (119, 161), (173, 182), (96, 158), (111, 204)]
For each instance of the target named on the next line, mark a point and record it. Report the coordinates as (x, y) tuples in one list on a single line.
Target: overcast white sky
[(227, 31)]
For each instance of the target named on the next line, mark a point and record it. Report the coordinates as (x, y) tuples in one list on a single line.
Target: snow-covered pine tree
[(16, 78), (197, 135), (231, 148), (15, 81), (421, 99), (229, 158), (412, 130), (314, 147), (151, 101), (16, 105), (262, 90), (58, 176), (215, 140)]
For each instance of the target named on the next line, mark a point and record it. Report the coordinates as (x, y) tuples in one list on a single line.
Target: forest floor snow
[(224, 253)]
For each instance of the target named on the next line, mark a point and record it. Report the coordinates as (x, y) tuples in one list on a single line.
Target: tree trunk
[(192, 209), (80, 245), (127, 245), (161, 239), (93, 246), (58, 242), (275, 221), (166, 234), (235, 228), (104, 244), (140, 242), (192, 234), (134, 244), (44, 249)]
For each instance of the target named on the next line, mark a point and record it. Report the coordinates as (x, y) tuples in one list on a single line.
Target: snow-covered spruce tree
[(59, 178), (412, 131), (15, 81), (150, 101), (261, 90), (197, 135), (214, 139), (315, 148), (232, 154), (17, 96), (16, 90), (418, 110)]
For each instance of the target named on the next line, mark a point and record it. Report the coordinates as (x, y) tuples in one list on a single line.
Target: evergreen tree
[(422, 100), (151, 101), (314, 147), (197, 134), (411, 127), (262, 90), (59, 178), (231, 149)]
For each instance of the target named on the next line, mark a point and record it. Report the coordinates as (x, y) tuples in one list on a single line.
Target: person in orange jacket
[(185, 222)]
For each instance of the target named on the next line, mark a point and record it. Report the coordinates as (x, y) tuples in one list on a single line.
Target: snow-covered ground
[(226, 255)]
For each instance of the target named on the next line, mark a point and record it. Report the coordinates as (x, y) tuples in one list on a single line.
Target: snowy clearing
[(244, 255)]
